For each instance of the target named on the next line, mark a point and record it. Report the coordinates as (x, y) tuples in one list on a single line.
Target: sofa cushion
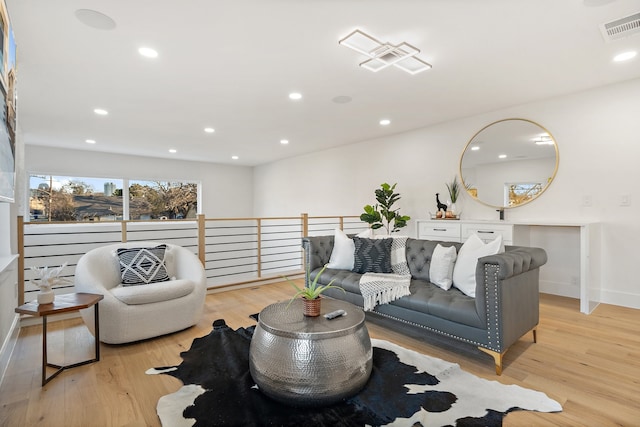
[(441, 266), (153, 292), (139, 266), (464, 272), (451, 305), (372, 255)]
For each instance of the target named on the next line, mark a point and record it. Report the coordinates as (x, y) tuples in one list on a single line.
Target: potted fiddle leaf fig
[(382, 213), (311, 294)]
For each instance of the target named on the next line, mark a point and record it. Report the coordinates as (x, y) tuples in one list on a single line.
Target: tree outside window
[(57, 198)]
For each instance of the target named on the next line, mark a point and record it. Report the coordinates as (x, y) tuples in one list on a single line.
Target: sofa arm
[(507, 293), (317, 252), (516, 260)]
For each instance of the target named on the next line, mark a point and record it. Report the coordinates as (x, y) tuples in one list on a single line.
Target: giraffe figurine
[(441, 206)]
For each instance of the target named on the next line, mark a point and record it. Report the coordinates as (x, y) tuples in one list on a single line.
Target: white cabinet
[(488, 232), (459, 231), (443, 230)]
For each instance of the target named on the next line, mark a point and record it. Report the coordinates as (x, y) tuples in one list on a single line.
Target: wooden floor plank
[(589, 363)]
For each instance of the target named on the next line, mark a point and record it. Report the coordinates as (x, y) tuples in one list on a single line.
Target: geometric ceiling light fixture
[(381, 55)]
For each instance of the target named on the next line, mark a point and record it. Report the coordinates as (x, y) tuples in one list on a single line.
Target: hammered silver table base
[(310, 361)]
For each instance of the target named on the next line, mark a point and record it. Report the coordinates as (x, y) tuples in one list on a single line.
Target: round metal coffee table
[(307, 361)]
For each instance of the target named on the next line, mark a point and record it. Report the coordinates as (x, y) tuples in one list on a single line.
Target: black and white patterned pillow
[(372, 255), (140, 266)]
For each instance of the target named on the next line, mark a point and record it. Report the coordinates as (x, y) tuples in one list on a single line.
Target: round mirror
[(509, 163)]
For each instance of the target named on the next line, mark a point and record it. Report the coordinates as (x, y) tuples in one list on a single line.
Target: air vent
[(621, 28)]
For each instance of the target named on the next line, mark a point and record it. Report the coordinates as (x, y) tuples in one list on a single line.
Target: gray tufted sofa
[(505, 308)]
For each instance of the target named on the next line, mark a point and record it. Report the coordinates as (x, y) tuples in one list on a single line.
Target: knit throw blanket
[(382, 288)]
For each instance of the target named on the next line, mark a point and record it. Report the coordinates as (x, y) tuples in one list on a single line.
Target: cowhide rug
[(406, 388)]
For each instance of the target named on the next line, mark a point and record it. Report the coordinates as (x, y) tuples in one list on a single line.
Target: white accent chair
[(132, 313)]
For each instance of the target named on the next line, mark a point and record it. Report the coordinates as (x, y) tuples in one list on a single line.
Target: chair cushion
[(153, 292)]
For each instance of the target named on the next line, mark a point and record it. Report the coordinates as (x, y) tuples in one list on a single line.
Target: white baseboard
[(623, 299), (8, 345), (558, 288)]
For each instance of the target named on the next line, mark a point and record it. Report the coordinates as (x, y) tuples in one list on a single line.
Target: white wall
[(598, 136), (227, 190)]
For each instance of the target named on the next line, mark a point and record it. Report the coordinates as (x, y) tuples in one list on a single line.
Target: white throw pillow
[(441, 267), (342, 255), (464, 271)]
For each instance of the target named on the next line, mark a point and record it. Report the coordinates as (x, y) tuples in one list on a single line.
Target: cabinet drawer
[(488, 232), (444, 231)]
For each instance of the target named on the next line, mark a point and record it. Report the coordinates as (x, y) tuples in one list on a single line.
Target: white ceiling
[(230, 64)]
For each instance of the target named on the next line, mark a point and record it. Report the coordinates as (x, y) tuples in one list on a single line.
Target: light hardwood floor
[(590, 364)]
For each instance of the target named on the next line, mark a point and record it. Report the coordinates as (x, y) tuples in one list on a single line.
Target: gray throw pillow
[(372, 255), (140, 266)]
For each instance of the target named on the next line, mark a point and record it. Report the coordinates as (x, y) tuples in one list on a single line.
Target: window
[(162, 200), (520, 193), (63, 198)]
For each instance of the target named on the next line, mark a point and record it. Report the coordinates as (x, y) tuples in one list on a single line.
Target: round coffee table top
[(290, 322)]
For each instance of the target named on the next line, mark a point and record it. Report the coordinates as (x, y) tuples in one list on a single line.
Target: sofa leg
[(535, 335), (497, 357)]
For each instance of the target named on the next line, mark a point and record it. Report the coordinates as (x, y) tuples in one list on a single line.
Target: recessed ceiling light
[(475, 148), (148, 52), (100, 112), (95, 19), (295, 95), (90, 141), (342, 99), (235, 157), (502, 156), (625, 56), (209, 130), (284, 141), (173, 150), (385, 122)]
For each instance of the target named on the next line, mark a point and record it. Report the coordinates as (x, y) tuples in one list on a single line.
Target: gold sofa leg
[(497, 357)]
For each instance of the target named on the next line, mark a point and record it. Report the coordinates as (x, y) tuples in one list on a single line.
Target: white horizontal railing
[(232, 250)]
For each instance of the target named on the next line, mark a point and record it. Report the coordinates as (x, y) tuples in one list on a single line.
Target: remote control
[(335, 314)]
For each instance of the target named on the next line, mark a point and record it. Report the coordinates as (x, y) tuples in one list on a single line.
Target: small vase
[(311, 307), (46, 295)]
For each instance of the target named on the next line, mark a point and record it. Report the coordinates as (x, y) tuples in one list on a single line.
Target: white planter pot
[(46, 296)]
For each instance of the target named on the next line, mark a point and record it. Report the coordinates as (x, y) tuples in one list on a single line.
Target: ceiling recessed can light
[(147, 52), (90, 141), (385, 122), (295, 95), (502, 156), (625, 56), (284, 141), (100, 111), (209, 130), (235, 157), (475, 148), (173, 150)]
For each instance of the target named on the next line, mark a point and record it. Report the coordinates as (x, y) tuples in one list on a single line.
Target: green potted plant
[(454, 193), (311, 294), (382, 214)]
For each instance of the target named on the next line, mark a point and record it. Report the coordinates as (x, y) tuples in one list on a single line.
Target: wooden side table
[(63, 304)]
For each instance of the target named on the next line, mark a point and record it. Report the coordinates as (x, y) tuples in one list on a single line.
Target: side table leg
[(44, 350), (96, 319)]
